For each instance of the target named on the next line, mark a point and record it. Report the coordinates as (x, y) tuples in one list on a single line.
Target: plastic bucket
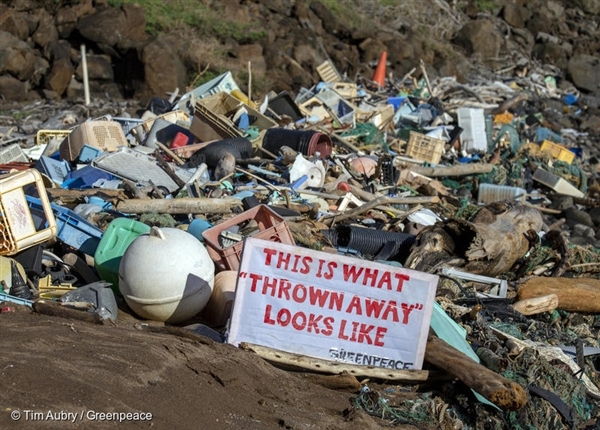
[(307, 142)]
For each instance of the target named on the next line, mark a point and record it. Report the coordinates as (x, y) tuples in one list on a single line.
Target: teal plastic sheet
[(446, 329)]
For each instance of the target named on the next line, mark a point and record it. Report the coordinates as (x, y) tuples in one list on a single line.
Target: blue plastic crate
[(73, 230)]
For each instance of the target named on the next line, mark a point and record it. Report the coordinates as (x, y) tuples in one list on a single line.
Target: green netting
[(540, 413), (158, 220), (420, 412), (466, 210), (368, 134)]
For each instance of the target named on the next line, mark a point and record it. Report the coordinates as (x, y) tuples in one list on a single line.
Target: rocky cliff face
[(40, 47)]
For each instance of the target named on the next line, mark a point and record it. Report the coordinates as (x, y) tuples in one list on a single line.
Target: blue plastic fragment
[(17, 300)]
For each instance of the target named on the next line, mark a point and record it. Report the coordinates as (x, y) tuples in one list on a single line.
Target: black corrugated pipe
[(382, 245)]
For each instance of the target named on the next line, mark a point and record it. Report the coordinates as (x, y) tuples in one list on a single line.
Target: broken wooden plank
[(179, 206), (334, 367)]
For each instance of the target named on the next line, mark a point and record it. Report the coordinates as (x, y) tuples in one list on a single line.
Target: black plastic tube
[(382, 245), (239, 147)]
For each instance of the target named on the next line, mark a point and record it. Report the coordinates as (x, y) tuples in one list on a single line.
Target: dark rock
[(46, 31), (24, 5), (107, 26), (251, 53), (16, 57), (163, 69), (57, 49), (591, 123), (135, 19), (66, 21), (481, 38), (14, 22), (583, 231), (330, 22), (41, 67), (12, 89), (576, 216), (98, 67), (584, 71), (60, 75), (595, 216), (515, 15), (551, 53)]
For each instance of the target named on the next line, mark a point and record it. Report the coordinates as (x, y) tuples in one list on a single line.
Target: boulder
[(16, 57), (330, 22), (66, 21), (515, 15), (135, 17), (12, 89), (105, 27), (59, 77), (98, 66), (57, 49), (551, 53), (164, 71), (46, 31), (251, 53), (14, 22), (481, 38), (584, 71)]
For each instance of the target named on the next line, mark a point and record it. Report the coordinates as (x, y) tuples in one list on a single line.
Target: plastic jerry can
[(116, 239)]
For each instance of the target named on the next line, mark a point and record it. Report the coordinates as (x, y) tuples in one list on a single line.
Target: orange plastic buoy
[(379, 75)]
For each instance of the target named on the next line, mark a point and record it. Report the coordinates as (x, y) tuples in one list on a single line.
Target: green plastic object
[(116, 239)]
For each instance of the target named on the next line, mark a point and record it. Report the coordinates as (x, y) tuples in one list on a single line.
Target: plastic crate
[(326, 102), (207, 125), (13, 153), (106, 135), (18, 230), (270, 227), (226, 105), (424, 148), (558, 152), (73, 230), (140, 132), (328, 73), (224, 82)]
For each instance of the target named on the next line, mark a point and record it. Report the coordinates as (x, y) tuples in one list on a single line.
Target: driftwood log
[(458, 170), (536, 305), (490, 245), (504, 393), (179, 206), (574, 294)]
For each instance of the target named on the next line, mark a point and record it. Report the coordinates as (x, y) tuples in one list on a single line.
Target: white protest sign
[(331, 306)]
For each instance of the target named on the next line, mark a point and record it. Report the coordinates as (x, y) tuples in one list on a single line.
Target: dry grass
[(439, 18)]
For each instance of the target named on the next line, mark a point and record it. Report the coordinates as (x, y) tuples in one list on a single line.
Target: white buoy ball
[(166, 275)]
